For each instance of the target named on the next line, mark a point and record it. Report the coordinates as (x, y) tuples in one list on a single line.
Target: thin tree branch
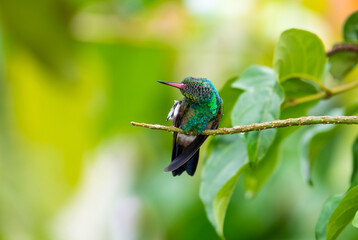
[(324, 94), (344, 47), (262, 126)]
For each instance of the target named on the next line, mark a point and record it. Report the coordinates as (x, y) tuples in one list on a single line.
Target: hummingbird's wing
[(182, 156), (176, 114), (179, 110)]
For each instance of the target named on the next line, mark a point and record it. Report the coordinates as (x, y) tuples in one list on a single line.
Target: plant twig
[(324, 94), (262, 126), (344, 47)]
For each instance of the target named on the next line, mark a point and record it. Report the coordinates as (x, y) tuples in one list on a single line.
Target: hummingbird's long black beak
[(173, 84)]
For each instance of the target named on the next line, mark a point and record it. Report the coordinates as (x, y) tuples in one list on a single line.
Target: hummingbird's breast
[(199, 116), (195, 116)]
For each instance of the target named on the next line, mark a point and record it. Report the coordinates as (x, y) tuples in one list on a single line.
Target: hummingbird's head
[(195, 89)]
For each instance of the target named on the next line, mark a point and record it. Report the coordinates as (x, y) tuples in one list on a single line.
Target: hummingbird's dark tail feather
[(191, 165), (177, 150), (179, 171), (187, 154)]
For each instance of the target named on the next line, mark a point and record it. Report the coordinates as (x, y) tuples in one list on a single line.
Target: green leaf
[(228, 156), (338, 211), (222, 199), (350, 28), (328, 207), (299, 54), (343, 214), (341, 63), (254, 178), (295, 88), (306, 143), (260, 102), (312, 141), (354, 178), (229, 95), (355, 220), (352, 109)]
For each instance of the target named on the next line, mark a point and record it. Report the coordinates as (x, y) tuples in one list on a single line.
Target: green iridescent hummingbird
[(200, 109)]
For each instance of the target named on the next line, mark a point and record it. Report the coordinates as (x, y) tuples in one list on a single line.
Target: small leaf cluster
[(295, 84)]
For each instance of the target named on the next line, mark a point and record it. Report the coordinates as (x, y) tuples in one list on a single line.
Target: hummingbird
[(200, 109)]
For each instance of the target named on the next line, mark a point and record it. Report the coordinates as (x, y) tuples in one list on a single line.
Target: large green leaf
[(299, 54), (343, 214), (307, 141), (328, 207), (222, 200), (254, 178), (355, 220), (341, 63), (220, 173), (354, 178), (352, 109), (350, 28), (260, 102), (312, 141), (229, 95), (295, 88), (338, 211)]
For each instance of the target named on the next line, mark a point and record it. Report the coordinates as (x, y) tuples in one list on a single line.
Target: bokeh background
[(74, 73)]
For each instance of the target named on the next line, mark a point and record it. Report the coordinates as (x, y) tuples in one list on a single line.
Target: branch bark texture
[(262, 126)]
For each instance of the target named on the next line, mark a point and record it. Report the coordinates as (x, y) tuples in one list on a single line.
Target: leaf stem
[(261, 126)]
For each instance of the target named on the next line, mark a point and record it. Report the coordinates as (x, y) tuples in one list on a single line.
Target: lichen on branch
[(290, 122)]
